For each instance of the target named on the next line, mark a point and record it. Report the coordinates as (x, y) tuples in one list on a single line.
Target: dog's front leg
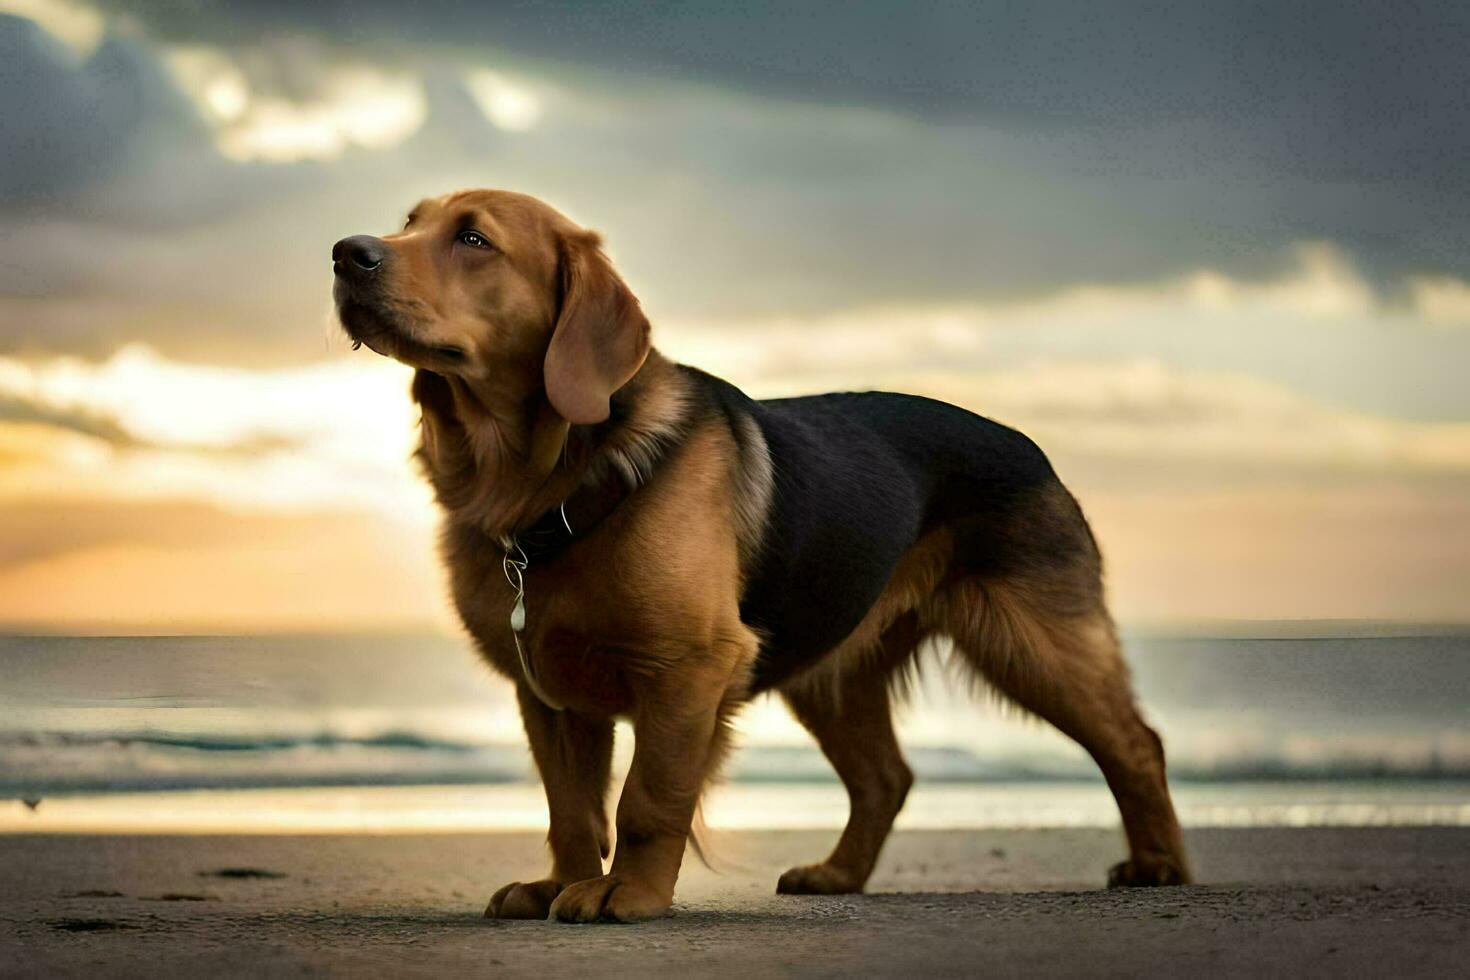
[(574, 756), (679, 734)]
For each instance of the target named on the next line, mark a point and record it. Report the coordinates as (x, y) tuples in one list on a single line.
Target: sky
[(1214, 257)]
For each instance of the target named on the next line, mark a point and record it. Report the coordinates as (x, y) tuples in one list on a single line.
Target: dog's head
[(498, 289)]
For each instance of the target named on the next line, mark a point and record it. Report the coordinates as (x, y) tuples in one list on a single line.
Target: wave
[(237, 743), (40, 763), (36, 764)]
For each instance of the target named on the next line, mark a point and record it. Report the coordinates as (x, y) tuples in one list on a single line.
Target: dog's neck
[(499, 459)]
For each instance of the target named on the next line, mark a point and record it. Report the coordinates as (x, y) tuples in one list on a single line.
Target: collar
[(594, 500), (574, 519)]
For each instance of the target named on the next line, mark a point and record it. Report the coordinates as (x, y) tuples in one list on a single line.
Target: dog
[(627, 537)]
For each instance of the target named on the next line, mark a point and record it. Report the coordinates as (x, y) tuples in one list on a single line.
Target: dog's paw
[(1147, 873), (609, 898), (523, 900), (818, 879)]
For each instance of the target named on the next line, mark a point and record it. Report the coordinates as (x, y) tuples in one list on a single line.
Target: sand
[(1315, 902)]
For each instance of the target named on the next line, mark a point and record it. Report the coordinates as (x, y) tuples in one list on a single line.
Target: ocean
[(1273, 725)]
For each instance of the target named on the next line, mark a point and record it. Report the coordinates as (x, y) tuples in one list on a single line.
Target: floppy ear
[(601, 335)]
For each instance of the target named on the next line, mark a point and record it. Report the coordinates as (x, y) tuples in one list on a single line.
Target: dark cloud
[(1335, 90), (1018, 148), (64, 126), (1253, 123), (14, 409), (112, 140)]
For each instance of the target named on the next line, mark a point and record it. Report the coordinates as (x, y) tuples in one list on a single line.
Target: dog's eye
[(473, 239)]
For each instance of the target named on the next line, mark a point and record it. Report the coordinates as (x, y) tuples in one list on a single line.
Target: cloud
[(1316, 327), (1271, 65), (1215, 494), (825, 179), (1187, 249), (78, 26), (289, 100), (1143, 410), (105, 146), (141, 426), (1442, 300), (506, 102), (1289, 100), (14, 409), (334, 435), (339, 434), (65, 122)]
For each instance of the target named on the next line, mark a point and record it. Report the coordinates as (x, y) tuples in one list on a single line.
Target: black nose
[(358, 254)]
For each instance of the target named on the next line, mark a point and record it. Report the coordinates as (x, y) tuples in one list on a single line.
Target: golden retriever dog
[(627, 537)]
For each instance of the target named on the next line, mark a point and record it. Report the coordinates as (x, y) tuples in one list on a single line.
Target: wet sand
[(1316, 902)]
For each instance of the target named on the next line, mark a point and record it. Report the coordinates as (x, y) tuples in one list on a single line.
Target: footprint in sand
[(242, 873), (89, 925)]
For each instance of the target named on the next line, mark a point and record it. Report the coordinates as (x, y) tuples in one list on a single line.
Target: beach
[(1270, 901), (365, 795), (345, 804)]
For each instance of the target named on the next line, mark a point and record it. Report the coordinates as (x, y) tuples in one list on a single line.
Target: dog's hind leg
[(1060, 660), (850, 716)]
